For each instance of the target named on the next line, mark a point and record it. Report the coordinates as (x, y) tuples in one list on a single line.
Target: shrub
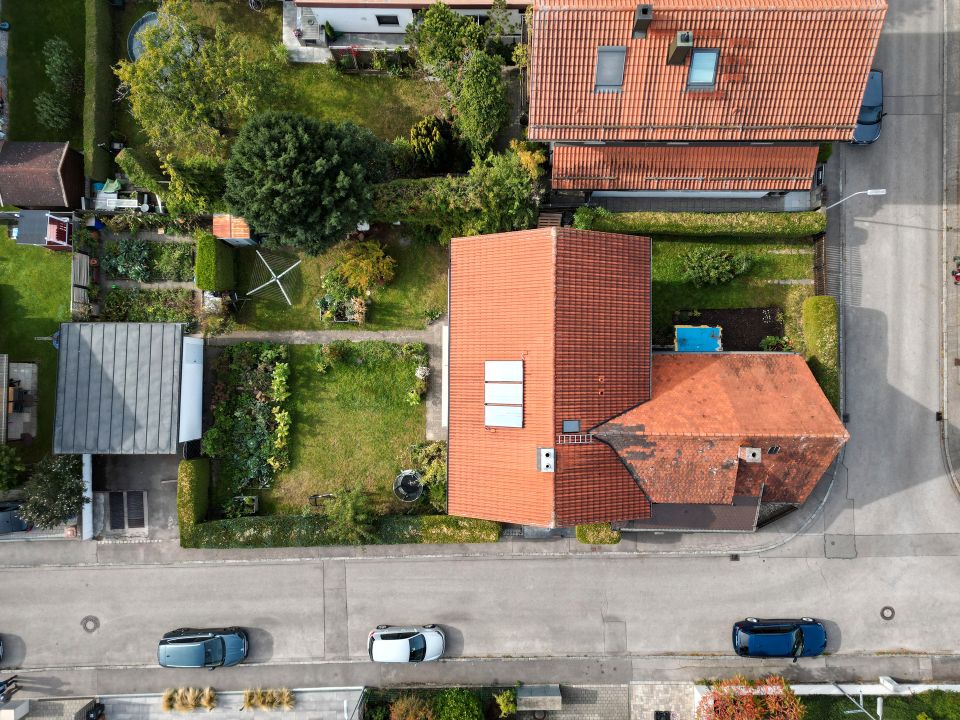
[(60, 64), (438, 529), (403, 160), (457, 704), (824, 153), (442, 38), (821, 333), (481, 101), (531, 155), (598, 534), (214, 263), (430, 460), (193, 493), (742, 224), (350, 516), (507, 702), (98, 88), (141, 172), (432, 142), (196, 185), (259, 531), (55, 491), (11, 468), (365, 265), (53, 110), (171, 261), (773, 343), (710, 266), (128, 258), (521, 55), (410, 707)]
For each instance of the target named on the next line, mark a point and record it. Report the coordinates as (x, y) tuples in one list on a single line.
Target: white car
[(394, 644)]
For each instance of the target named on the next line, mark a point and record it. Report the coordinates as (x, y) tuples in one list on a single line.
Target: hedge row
[(140, 170), (821, 330), (214, 264), (598, 534), (781, 225), (258, 531), (437, 529), (98, 88), (193, 493)]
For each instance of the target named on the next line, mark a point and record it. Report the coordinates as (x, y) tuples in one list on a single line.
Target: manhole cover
[(90, 623), (887, 612)]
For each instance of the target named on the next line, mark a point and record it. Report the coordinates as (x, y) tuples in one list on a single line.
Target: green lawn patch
[(821, 331), (763, 225), (34, 300), (30, 26), (349, 424), (671, 292), (598, 534), (417, 291), (98, 89)]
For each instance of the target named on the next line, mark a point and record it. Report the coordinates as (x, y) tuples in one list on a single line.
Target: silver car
[(414, 644)]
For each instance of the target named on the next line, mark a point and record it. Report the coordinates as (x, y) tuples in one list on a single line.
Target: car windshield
[(797, 643), (213, 651), (418, 648), (870, 115)]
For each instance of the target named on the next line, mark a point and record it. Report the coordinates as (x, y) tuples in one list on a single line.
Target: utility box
[(531, 698), (14, 710)]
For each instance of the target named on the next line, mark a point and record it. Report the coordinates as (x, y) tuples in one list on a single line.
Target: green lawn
[(671, 292), (34, 299), (30, 26), (420, 284), (937, 705), (350, 424)]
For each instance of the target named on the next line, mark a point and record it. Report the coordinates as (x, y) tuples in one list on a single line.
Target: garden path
[(163, 285)]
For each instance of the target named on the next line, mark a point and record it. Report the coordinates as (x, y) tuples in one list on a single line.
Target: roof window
[(571, 426), (503, 393), (703, 69), (610, 62), (388, 20)]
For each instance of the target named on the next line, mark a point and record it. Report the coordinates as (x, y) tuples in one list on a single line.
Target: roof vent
[(750, 454), (545, 459), (641, 20), (680, 48)]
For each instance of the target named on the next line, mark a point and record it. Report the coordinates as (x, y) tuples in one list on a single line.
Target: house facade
[(680, 98), (560, 413)]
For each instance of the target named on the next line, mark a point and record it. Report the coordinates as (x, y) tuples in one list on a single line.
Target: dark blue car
[(871, 111), (795, 639)]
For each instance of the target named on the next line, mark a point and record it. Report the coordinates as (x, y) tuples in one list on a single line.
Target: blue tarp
[(697, 338)]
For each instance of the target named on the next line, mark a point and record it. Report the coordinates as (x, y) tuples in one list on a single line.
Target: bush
[(598, 534), (53, 110), (350, 516), (366, 265), (55, 491), (709, 266), (214, 263), (258, 531), (743, 224), (193, 493), (437, 529), (60, 65), (821, 333), (507, 702), (442, 38), (171, 261), (134, 305), (410, 707), (824, 153), (432, 142), (11, 468), (129, 258), (430, 460), (457, 704), (481, 101), (141, 172), (98, 87), (196, 185)]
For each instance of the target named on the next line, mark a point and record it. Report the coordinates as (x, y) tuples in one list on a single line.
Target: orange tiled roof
[(788, 70), (682, 445), (230, 227), (683, 167), (574, 306)]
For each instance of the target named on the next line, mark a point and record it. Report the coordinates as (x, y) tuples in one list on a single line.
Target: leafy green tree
[(500, 193), (53, 110), (442, 38), (365, 264), (350, 516), (11, 467), (55, 491), (60, 64), (301, 181), (190, 88), (481, 101)]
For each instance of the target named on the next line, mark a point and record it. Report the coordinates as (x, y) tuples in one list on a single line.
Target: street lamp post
[(871, 191)]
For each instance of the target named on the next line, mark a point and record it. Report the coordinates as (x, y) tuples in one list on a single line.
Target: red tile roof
[(574, 306), (683, 167), (682, 445), (230, 227), (788, 70)]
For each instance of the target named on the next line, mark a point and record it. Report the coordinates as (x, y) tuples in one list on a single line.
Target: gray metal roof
[(32, 227), (118, 388)]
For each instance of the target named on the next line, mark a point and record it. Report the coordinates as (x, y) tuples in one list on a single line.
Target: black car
[(795, 639), (871, 111), (10, 520), (191, 648)]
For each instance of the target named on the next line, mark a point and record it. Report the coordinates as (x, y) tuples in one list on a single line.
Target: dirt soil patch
[(743, 328)]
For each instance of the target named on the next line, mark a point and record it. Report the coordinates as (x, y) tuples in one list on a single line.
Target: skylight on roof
[(503, 393), (703, 68), (610, 62)]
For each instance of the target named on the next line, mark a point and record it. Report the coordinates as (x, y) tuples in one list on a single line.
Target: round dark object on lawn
[(887, 612), (90, 623), (407, 487)]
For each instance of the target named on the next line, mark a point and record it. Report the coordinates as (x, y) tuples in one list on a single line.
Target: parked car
[(393, 644), (1, 648), (191, 648), (10, 520), (871, 111), (795, 639)]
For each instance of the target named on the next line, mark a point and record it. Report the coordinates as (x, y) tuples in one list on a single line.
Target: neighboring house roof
[(40, 175), (683, 167), (118, 388), (683, 445), (412, 4), (787, 70), (574, 308), (230, 227)]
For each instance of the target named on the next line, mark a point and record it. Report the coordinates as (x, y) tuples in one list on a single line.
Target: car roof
[(391, 650), (873, 94), (188, 653)]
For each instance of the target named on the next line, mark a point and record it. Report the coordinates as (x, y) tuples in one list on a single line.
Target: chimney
[(680, 48), (641, 20)]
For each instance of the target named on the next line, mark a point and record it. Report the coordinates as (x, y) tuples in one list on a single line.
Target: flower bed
[(126, 305), (144, 261), (251, 422)]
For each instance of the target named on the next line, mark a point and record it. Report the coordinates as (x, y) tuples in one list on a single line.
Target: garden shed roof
[(40, 175), (791, 70), (118, 388)]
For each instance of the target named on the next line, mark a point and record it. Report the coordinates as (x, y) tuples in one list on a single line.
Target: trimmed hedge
[(193, 494), (781, 225), (598, 534), (98, 88), (258, 532), (214, 265), (437, 529), (821, 330)]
